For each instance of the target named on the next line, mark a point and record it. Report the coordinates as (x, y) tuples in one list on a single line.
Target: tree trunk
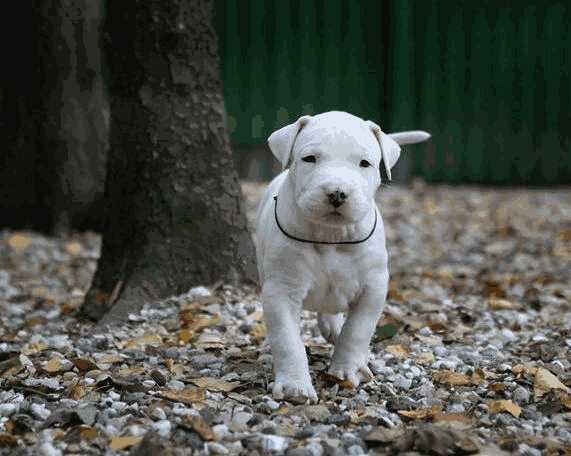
[(175, 217), (53, 110)]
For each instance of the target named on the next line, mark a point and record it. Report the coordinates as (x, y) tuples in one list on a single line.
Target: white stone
[(162, 427), (8, 409), (40, 411), (273, 443)]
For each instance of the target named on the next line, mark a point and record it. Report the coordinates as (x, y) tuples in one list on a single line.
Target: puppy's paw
[(352, 373), (330, 326), (298, 391)]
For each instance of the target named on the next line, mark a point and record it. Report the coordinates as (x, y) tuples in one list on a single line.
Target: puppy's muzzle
[(337, 198)]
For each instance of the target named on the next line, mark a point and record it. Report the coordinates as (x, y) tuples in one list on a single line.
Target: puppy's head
[(334, 160)]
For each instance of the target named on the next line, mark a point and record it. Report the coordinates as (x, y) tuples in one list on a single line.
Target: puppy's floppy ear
[(281, 141), (390, 150)]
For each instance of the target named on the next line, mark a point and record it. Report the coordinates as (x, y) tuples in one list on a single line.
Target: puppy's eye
[(364, 164), (309, 159)]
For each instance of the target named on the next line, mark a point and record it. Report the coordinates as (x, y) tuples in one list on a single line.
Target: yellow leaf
[(545, 381), (143, 341), (215, 384), (122, 443), (500, 304), (53, 366), (505, 406), (451, 378), (259, 331), (186, 396), (31, 349), (185, 336), (19, 242), (420, 414), (73, 248), (399, 351), (111, 358)]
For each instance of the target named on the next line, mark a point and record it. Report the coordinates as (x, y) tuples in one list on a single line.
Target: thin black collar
[(319, 242)]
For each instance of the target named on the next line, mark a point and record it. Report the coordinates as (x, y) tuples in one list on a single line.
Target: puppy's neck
[(295, 224)]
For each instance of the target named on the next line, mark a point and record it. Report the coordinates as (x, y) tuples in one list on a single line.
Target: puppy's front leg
[(282, 313), (352, 349)]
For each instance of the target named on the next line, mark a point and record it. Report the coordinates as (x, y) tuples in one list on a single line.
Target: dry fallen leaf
[(210, 341), (19, 242), (186, 396), (31, 349), (544, 381), (500, 304), (7, 440), (73, 248), (122, 443), (197, 322), (451, 378), (425, 358), (89, 433), (461, 418), (201, 427), (259, 331), (185, 336), (478, 377), (505, 406), (53, 366), (215, 384), (400, 351), (564, 398), (77, 392), (84, 364), (111, 358), (421, 414), (143, 341)]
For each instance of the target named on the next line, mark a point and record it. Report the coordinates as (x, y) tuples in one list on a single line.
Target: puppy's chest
[(336, 281)]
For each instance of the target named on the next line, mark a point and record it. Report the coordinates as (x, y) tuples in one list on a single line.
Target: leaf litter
[(472, 353)]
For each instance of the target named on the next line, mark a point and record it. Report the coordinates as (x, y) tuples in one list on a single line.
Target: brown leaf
[(19, 242), (505, 406), (215, 384), (451, 378), (188, 396), (185, 336), (452, 417), (122, 443), (200, 426), (88, 433), (478, 377), (421, 414), (400, 351), (197, 322), (544, 381), (8, 440), (331, 379), (77, 392), (84, 364), (564, 398)]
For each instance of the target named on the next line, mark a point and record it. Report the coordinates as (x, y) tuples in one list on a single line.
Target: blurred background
[(489, 79)]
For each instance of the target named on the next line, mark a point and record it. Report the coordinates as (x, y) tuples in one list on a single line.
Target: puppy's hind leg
[(330, 326)]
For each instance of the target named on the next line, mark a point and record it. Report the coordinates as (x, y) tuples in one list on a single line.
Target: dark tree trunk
[(53, 126), (175, 217)]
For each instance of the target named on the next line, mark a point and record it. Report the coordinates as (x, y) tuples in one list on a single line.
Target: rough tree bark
[(53, 127), (175, 217)]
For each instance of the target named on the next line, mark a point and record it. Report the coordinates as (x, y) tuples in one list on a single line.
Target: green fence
[(489, 79)]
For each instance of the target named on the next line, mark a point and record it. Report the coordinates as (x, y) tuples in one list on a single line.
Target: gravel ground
[(473, 354)]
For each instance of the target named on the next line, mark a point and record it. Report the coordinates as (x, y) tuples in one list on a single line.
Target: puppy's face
[(335, 169)]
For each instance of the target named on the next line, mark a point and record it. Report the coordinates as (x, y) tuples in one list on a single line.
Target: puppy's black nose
[(337, 198)]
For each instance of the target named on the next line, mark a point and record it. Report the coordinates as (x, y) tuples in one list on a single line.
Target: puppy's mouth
[(335, 214)]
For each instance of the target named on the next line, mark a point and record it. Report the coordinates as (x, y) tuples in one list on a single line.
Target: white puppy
[(321, 243)]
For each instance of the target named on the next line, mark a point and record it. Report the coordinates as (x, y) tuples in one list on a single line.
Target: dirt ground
[(472, 356)]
